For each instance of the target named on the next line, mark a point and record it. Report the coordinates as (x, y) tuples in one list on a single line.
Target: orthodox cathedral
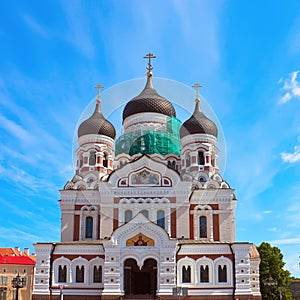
[(147, 215)]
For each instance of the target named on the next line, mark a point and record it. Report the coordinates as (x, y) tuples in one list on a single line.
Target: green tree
[(273, 278)]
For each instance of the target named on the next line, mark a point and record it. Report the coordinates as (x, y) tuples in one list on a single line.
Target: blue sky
[(246, 54)]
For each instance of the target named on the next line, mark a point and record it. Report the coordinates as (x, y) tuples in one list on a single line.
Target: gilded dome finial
[(197, 86), (149, 68), (98, 87)]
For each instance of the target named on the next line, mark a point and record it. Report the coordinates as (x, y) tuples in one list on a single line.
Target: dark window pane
[(203, 227), (92, 159), (62, 274), (222, 273), (88, 227), (79, 274), (161, 218), (128, 215), (204, 274), (201, 158), (145, 213), (97, 274), (186, 274)]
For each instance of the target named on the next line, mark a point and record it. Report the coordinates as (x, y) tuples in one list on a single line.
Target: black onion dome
[(148, 101), (198, 123), (97, 124)]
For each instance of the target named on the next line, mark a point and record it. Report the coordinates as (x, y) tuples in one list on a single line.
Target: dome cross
[(197, 86), (149, 68), (98, 87)]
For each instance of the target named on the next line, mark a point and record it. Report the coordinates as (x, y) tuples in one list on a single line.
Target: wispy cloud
[(35, 26), (291, 157), (291, 86), (79, 28), (16, 130), (24, 180), (290, 241)]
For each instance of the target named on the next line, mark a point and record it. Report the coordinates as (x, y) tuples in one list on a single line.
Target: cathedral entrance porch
[(140, 283)]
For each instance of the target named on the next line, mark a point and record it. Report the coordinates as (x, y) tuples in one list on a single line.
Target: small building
[(14, 262), (294, 288)]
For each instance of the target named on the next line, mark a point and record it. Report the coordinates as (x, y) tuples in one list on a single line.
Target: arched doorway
[(140, 281)]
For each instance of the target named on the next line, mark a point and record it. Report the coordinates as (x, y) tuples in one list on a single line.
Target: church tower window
[(172, 164), (80, 161), (222, 273), (203, 227), (128, 216), (186, 274), (201, 160), (213, 160), (204, 274), (92, 158), (89, 227), (105, 160), (97, 274), (161, 218), (187, 160), (79, 274), (62, 273)]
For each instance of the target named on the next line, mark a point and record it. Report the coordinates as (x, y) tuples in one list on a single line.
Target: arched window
[(62, 273), (161, 218), (213, 160), (92, 159), (97, 274), (89, 227), (79, 274), (187, 160), (172, 164), (186, 274), (204, 274), (203, 227), (80, 161), (201, 160), (145, 213), (105, 160), (222, 273), (128, 216)]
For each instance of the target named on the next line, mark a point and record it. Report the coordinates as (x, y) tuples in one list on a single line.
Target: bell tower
[(199, 154), (96, 137)]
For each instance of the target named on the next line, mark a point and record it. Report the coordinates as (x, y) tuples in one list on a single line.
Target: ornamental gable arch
[(140, 225), (149, 171)]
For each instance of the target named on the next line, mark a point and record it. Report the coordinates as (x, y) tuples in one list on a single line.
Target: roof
[(198, 123), (254, 252), (97, 124), (148, 101), (16, 257), (16, 260), (9, 251)]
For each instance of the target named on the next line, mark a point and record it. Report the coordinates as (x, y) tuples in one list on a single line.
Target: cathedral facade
[(147, 215)]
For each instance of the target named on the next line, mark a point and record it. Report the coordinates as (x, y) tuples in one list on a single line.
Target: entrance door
[(140, 282)]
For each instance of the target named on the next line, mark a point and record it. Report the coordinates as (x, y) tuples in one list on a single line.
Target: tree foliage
[(273, 277)]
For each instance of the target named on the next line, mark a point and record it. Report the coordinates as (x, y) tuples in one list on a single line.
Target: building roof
[(97, 124), (254, 252), (16, 260), (16, 257), (10, 251), (198, 123), (148, 101)]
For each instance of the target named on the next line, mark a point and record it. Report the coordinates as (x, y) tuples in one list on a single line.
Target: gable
[(144, 172)]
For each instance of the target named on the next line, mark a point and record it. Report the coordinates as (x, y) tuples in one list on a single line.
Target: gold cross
[(98, 87), (197, 86), (149, 56)]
